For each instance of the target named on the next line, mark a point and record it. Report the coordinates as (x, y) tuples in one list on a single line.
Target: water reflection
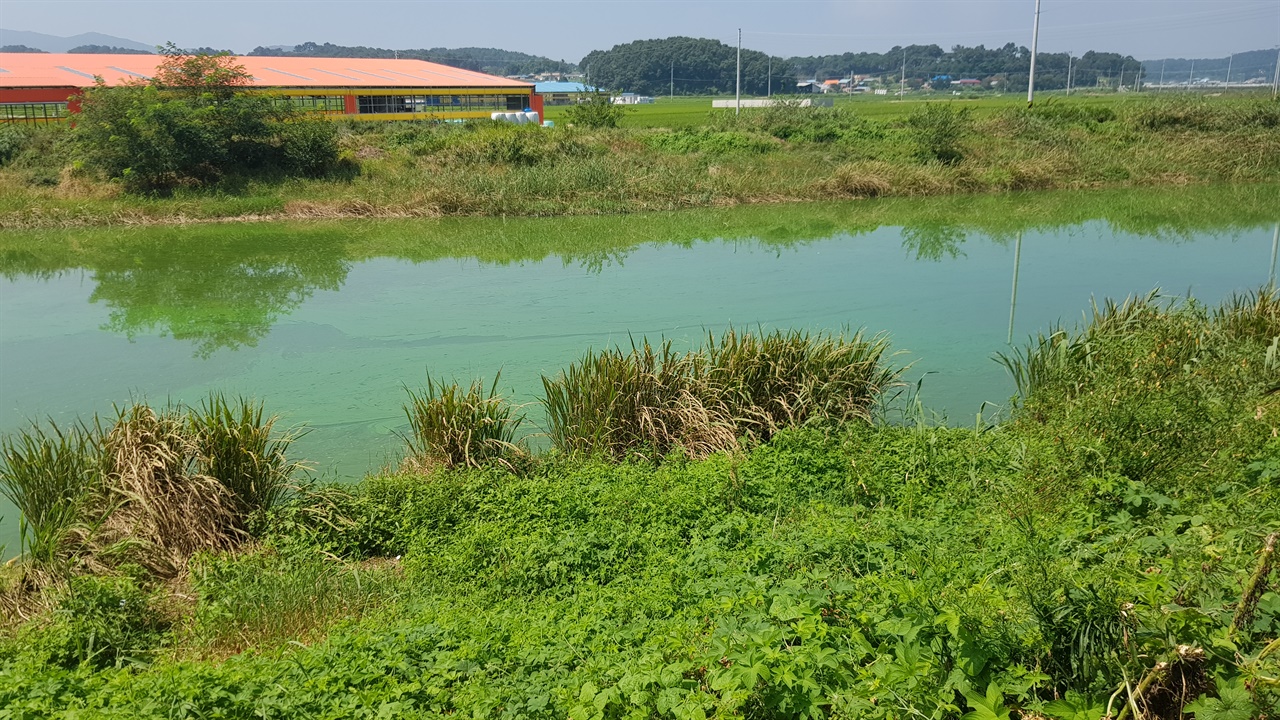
[(223, 287), (214, 303)]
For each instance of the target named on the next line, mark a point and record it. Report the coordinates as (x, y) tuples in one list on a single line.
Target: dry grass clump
[(150, 488), (615, 402), (854, 181), (155, 508)]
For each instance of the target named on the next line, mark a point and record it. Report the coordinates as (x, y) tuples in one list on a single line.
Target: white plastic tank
[(496, 116), (532, 117)]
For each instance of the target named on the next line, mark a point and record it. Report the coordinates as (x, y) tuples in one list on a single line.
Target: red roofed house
[(39, 87)]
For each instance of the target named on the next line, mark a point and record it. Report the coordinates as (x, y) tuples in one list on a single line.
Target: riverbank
[(1116, 526), (781, 155)]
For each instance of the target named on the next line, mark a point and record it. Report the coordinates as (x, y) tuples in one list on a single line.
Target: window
[(32, 112), (326, 104), (440, 104)]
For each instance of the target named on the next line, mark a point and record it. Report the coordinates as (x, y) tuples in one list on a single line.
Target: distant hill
[(107, 50), (19, 49), (486, 60), (1244, 66), (56, 44)]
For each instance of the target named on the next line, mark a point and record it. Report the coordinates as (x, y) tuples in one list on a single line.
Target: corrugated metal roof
[(77, 70), (562, 87)]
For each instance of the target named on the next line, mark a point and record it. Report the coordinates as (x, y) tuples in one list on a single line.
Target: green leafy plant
[(596, 110), (938, 130)]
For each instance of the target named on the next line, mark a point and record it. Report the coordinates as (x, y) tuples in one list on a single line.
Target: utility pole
[(769, 90), (738, 82), (902, 86), (1275, 245), (672, 93), (1013, 299), (1192, 75), (1230, 58), (1120, 82), (1162, 62), (1069, 58), (1275, 81), (1035, 38)]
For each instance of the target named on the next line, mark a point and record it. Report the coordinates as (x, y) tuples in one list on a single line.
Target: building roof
[(79, 70), (562, 87)]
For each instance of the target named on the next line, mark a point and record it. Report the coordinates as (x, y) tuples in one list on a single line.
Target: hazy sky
[(568, 29)]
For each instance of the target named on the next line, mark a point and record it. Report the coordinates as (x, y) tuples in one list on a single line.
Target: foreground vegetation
[(1107, 551), (49, 179)]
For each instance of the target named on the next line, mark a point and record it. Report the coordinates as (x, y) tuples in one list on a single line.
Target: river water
[(329, 322)]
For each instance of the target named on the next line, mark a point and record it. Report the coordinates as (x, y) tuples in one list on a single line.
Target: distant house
[(632, 99), (967, 83), (830, 86), (562, 93), (809, 86)]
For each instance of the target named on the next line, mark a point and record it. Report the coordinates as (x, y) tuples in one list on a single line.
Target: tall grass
[(156, 509), (615, 402), (786, 378), (237, 445), (451, 426), (264, 598), (48, 475), (149, 487)]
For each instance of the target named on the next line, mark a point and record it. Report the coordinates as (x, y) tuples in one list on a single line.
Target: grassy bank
[(764, 156), (1104, 552)]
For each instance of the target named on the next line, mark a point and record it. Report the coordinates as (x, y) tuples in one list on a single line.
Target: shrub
[(309, 147), (193, 126), (711, 142), (937, 130), (452, 427), (102, 622), (597, 111), (12, 141)]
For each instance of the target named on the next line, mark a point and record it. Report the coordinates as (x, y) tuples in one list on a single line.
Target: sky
[(568, 29)]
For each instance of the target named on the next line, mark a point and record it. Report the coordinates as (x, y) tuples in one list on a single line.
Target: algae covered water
[(329, 322)]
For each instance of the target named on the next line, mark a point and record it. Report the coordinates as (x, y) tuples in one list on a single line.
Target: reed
[(451, 426), (1251, 315), (156, 509), (786, 378), (236, 444), (48, 475), (614, 402)]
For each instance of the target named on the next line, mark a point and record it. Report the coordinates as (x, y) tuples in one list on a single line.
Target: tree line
[(698, 66), (487, 60)]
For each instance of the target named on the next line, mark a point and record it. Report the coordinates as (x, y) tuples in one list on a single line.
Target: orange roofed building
[(39, 87)]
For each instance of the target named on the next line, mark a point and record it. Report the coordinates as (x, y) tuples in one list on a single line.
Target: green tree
[(194, 125), (597, 111)]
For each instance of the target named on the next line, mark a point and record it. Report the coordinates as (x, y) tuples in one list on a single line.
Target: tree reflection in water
[(224, 296)]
